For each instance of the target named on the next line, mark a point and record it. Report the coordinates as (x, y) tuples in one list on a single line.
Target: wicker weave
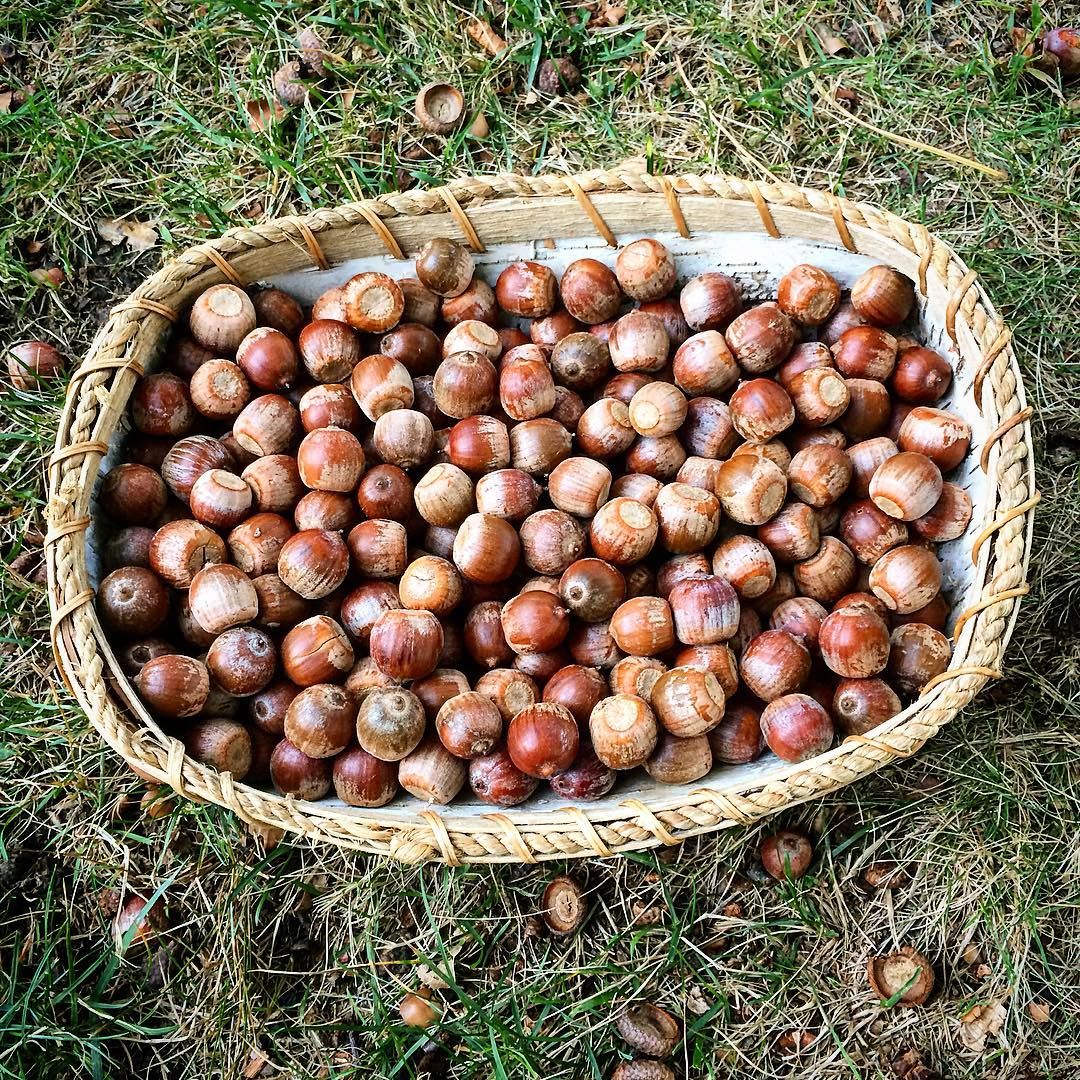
[(502, 209)]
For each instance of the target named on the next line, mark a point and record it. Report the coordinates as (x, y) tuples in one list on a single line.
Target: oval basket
[(752, 230)]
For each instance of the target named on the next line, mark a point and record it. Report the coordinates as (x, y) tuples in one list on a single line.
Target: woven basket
[(754, 230)]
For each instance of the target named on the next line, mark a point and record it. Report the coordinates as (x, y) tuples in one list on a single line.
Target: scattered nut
[(885, 875), (312, 50), (289, 84), (786, 853), (642, 1069), (146, 921), (418, 1011), (565, 906), (439, 108), (648, 1029), (907, 976), (559, 76)]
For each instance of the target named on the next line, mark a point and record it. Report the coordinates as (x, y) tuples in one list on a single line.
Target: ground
[(292, 962)]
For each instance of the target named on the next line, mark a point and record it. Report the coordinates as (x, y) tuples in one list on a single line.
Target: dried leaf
[(885, 874), (980, 1023), (910, 1065), (262, 114), (431, 978), (791, 1042), (267, 837), (831, 42), (643, 914), (849, 99), (484, 36), (972, 954), (890, 12), (608, 13), (1023, 41), (255, 1065), (1039, 1012), (5, 102), (696, 1001), (139, 236), (53, 277)]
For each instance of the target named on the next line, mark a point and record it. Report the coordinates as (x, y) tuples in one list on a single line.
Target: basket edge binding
[(100, 388)]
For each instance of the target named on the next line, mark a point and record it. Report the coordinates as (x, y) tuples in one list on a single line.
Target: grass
[(291, 963)]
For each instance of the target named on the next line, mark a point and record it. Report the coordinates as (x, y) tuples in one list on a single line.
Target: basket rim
[(101, 385)]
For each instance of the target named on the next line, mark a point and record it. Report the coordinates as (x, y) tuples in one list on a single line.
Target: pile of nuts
[(435, 534)]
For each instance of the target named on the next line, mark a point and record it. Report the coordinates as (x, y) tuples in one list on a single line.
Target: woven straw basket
[(755, 231)]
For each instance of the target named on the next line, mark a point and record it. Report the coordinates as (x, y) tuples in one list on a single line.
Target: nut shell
[(440, 108), (648, 1029), (563, 906), (906, 976)]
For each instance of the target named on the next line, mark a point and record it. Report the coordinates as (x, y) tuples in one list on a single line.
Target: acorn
[(440, 108)]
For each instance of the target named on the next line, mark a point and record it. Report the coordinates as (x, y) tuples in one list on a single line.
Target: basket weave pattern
[(491, 209)]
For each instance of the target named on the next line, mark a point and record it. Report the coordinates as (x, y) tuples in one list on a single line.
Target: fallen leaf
[(109, 231), (267, 837), (979, 1024), (139, 236), (791, 1042), (849, 99), (255, 1065), (910, 1065), (484, 36), (431, 978), (608, 13), (262, 114), (885, 875), (890, 12), (1039, 1012), (972, 954), (53, 277), (1022, 41), (831, 42), (697, 1002), (643, 914), (5, 102)]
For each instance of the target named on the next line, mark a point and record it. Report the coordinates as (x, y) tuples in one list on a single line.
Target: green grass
[(303, 954)]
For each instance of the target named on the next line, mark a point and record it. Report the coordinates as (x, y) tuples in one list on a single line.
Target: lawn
[(291, 962)]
